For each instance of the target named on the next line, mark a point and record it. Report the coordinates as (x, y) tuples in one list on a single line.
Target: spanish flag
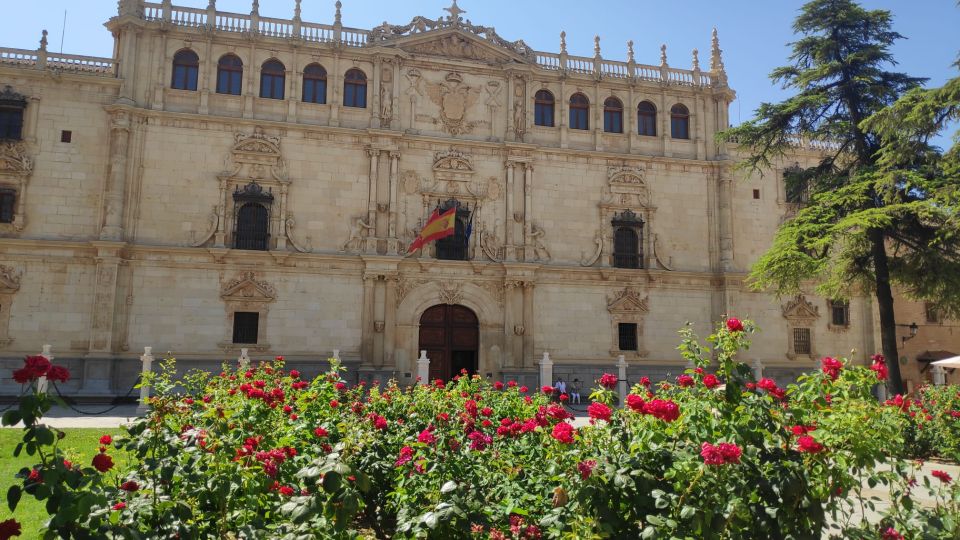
[(437, 227)]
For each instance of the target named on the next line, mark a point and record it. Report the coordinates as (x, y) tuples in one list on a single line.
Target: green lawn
[(79, 445)]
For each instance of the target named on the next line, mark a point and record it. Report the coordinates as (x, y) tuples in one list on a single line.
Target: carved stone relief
[(16, 167), (454, 97), (386, 97), (519, 108), (9, 285), (451, 293)]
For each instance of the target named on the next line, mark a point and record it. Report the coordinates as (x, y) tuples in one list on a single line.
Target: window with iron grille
[(627, 336), (801, 341), (246, 325), (933, 316), (627, 240), (456, 246), (8, 199), (839, 313), (252, 227)]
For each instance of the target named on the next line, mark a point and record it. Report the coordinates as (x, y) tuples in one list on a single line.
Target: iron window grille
[(801, 341), (627, 336), (627, 240), (253, 217), (12, 106), (246, 326), (8, 199)]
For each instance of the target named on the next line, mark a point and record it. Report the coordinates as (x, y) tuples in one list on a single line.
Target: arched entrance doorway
[(451, 336)]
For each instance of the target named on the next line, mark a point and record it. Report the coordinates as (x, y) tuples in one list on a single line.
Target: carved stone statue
[(519, 116), (540, 252), (386, 97), (359, 232)]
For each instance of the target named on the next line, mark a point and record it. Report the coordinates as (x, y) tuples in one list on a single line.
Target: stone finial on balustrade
[(43, 41), (337, 18), (696, 67), (716, 60), (563, 42), (296, 10), (255, 9), (663, 56), (596, 46), (212, 14), (166, 9), (630, 57), (42, 52)]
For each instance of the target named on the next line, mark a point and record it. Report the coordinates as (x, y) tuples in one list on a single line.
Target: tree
[(876, 217)]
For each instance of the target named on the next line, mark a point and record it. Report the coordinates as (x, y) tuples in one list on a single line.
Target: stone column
[(509, 252), (513, 323), (207, 64), (725, 215), (374, 154), (97, 369), (757, 369), (379, 321), (622, 379), (527, 321), (527, 210), (252, 76), (390, 322), (423, 368), (564, 102), (220, 237), (546, 370), (394, 193), (128, 64), (335, 90), (294, 76), (282, 221), (509, 134), (366, 320), (113, 196), (146, 367)]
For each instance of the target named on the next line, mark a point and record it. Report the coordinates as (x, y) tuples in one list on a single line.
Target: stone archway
[(450, 334)]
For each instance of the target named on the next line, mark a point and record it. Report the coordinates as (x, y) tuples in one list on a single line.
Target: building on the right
[(925, 336)]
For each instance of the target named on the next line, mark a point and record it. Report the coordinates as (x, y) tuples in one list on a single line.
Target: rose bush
[(259, 452)]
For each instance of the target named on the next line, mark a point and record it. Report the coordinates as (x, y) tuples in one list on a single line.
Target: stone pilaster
[(97, 366), (113, 195)]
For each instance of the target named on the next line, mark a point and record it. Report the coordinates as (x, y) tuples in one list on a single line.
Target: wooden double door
[(451, 336)]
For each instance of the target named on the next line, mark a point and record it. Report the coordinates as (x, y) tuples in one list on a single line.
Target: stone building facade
[(233, 181)]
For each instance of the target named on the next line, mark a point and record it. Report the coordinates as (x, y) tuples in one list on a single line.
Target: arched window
[(613, 115), (355, 89), (579, 112), (627, 240), (679, 122), (543, 108), (186, 67), (272, 78), (646, 119), (229, 74), (314, 84)]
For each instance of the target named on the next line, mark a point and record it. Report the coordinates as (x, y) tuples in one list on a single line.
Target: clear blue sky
[(753, 33)]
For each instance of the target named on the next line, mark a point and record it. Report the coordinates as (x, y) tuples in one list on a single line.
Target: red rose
[(662, 409), (563, 432), (426, 437), (9, 529), (586, 468), (942, 476), (102, 462), (524, 389), (34, 477), (119, 506), (599, 411), (734, 325), (286, 491), (880, 367), (130, 486), (711, 381), (711, 454), (645, 381), (891, 534), (685, 381), (635, 403), (58, 374), (607, 380), (334, 404), (731, 452), (831, 366), (564, 397), (320, 432), (486, 411), (809, 445), (546, 389), (498, 385), (294, 374), (106, 439)]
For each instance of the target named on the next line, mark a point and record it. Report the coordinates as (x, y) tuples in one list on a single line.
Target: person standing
[(575, 391)]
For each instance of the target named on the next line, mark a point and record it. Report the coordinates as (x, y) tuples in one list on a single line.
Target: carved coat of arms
[(454, 99)]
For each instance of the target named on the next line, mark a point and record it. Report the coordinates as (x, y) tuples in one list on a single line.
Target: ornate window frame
[(15, 171), (247, 294), (626, 191), (627, 306), (800, 313)]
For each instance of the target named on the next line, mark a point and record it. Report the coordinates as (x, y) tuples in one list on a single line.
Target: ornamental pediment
[(800, 309), (247, 288), (455, 44), (627, 301)]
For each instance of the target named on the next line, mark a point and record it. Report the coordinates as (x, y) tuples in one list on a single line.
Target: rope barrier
[(117, 400)]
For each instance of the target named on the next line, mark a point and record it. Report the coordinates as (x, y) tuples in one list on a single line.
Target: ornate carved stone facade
[(137, 231)]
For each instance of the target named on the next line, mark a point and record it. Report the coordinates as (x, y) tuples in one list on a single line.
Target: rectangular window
[(66, 136), (11, 123), (8, 199), (839, 313), (756, 194), (246, 325), (228, 82), (933, 316), (801, 341), (627, 336), (578, 118)]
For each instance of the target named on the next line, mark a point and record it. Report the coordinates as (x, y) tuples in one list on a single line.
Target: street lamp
[(913, 333)]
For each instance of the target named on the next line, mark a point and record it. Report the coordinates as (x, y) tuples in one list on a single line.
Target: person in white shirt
[(561, 386)]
